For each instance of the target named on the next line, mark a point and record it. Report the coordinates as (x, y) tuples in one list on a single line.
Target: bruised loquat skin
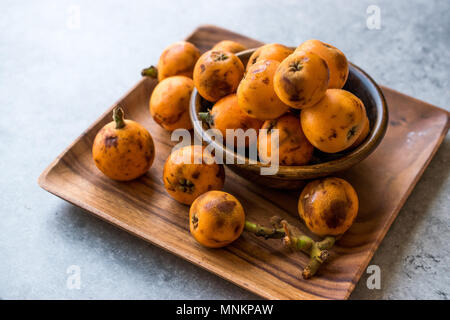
[(328, 206), (178, 59), (226, 114), (169, 103), (190, 172), (217, 74), (256, 94), (293, 147), (229, 46), (335, 59), (271, 51), (364, 133), (123, 149), (301, 80), (216, 219), (334, 123)]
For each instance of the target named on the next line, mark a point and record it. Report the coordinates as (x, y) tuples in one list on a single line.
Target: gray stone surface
[(55, 80)]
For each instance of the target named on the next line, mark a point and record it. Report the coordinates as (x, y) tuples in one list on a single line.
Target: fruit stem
[(151, 72), (118, 118), (292, 238), (264, 232), (206, 116), (318, 255)]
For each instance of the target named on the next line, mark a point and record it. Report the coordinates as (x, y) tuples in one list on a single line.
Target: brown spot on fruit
[(196, 174), (226, 206), (336, 213), (294, 97), (335, 206), (333, 134), (351, 115), (220, 222), (222, 219), (341, 61), (111, 141)]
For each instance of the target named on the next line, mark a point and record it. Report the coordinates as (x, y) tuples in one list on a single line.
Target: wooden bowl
[(291, 177)]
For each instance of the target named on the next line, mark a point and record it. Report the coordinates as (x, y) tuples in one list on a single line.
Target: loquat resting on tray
[(123, 149), (189, 172), (216, 219), (328, 207), (178, 59), (169, 103)]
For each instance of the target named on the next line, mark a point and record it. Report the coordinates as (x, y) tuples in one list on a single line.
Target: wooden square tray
[(142, 207)]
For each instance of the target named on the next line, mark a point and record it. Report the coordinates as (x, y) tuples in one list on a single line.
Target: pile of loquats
[(296, 91)]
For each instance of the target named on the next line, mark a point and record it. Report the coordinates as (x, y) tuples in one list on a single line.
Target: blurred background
[(63, 63)]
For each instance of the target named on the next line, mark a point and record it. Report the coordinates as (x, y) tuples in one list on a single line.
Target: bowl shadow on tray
[(323, 164)]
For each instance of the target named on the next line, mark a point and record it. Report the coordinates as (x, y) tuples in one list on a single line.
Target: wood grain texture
[(142, 207)]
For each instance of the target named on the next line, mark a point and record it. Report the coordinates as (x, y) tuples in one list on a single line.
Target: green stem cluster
[(185, 185), (292, 238), (261, 231), (118, 117), (151, 72), (206, 117)]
